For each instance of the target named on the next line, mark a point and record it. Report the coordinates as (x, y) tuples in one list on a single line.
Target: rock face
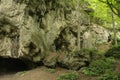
[(94, 36), (33, 29), (11, 21)]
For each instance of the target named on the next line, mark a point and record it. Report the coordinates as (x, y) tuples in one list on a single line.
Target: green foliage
[(113, 5), (114, 52), (89, 71), (109, 75), (99, 67), (97, 6), (102, 13), (72, 75), (50, 70), (87, 51), (22, 73), (92, 52)]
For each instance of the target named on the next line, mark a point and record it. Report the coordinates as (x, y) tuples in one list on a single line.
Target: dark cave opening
[(13, 65)]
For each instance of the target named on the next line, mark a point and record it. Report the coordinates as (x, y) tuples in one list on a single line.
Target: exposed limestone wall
[(11, 20), (94, 36), (33, 29), (26, 32)]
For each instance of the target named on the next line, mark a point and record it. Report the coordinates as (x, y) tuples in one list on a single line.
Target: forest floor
[(43, 73), (40, 73)]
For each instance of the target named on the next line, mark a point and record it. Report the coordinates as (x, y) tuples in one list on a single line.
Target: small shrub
[(89, 54), (50, 70), (99, 67), (88, 51), (22, 73), (109, 75), (72, 75), (89, 71), (114, 52)]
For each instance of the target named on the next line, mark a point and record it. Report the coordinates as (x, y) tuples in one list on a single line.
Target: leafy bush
[(89, 71), (109, 75), (51, 70), (99, 67), (90, 50), (72, 75), (89, 53), (114, 52)]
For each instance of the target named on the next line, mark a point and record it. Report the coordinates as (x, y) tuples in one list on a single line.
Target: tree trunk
[(78, 43), (79, 25), (114, 30)]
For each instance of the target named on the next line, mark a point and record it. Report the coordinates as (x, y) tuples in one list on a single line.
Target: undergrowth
[(109, 75), (72, 75), (99, 66), (114, 52)]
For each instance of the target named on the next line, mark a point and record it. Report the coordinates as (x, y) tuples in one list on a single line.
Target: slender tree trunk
[(78, 36), (79, 25), (114, 30)]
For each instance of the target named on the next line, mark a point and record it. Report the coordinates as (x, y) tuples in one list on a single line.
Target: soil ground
[(43, 73), (40, 73)]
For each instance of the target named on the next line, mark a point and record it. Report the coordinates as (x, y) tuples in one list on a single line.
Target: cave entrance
[(12, 65)]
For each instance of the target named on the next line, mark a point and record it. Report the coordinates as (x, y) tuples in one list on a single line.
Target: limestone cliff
[(32, 29)]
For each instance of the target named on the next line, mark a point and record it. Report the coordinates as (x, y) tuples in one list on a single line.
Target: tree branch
[(112, 7), (103, 1)]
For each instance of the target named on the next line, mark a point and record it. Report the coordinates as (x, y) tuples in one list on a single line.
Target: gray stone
[(30, 30)]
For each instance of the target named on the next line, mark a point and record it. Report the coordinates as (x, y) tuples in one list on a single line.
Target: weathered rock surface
[(94, 36), (33, 29)]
